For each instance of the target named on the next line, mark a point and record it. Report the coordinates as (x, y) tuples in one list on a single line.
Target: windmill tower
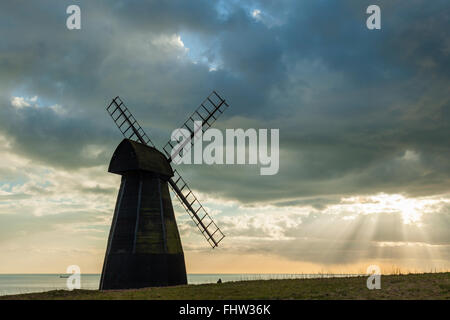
[(144, 247)]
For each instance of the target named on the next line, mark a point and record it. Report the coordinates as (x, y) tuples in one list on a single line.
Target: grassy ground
[(412, 286)]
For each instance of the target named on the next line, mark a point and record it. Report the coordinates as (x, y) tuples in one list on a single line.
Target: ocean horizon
[(11, 284)]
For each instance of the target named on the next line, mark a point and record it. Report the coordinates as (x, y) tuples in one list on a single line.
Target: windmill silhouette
[(144, 247)]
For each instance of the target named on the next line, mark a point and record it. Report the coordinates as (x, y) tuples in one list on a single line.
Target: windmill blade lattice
[(208, 112), (126, 123), (196, 211)]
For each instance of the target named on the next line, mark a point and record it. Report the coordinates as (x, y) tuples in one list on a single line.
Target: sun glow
[(411, 209)]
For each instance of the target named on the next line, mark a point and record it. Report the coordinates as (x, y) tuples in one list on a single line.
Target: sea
[(29, 283)]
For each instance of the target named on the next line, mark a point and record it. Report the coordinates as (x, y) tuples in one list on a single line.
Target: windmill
[(144, 247)]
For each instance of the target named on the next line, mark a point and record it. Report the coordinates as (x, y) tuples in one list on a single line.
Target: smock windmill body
[(144, 246)]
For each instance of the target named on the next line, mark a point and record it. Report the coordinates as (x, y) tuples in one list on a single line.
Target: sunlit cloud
[(19, 102)]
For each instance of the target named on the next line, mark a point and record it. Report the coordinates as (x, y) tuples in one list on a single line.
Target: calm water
[(26, 283)]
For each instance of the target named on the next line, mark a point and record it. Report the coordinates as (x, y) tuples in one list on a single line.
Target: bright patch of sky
[(201, 50), (34, 102), (265, 18)]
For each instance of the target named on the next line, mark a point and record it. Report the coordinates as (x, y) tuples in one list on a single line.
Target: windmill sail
[(196, 211), (131, 129), (126, 123), (208, 112)]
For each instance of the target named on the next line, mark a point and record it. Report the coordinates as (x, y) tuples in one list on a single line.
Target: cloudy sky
[(364, 122)]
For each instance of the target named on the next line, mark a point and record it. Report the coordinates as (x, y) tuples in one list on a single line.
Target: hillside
[(411, 286)]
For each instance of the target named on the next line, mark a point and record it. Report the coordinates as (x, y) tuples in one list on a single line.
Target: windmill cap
[(134, 156)]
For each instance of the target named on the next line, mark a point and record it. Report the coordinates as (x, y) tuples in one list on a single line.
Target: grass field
[(411, 286)]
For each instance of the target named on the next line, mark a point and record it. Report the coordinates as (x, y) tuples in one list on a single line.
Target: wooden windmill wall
[(144, 247)]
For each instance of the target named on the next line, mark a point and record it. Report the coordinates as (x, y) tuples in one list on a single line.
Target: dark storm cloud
[(349, 102), (54, 139)]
